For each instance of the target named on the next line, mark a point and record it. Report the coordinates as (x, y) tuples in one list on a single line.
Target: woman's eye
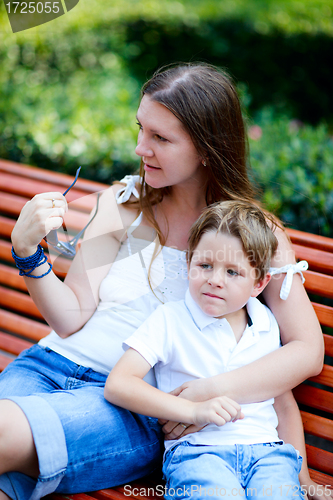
[(232, 272), (160, 138)]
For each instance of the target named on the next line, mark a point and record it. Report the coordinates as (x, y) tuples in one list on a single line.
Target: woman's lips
[(149, 168)]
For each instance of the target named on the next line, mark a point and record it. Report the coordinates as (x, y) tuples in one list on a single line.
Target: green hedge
[(69, 92), (62, 106), (293, 165), (292, 72)]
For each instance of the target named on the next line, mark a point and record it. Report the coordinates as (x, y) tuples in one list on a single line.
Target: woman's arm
[(290, 430), (299, 326), (68, 305), (125, 387)]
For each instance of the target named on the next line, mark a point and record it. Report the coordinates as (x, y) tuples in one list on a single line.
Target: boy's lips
[(213, 296)]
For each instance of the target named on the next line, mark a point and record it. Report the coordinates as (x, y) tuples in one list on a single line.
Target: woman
[(57, 431)]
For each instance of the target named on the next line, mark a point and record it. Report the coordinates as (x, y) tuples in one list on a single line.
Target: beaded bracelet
[(27, 265)]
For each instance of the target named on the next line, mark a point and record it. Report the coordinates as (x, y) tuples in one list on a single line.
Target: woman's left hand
[(194, 390), (316, 491)]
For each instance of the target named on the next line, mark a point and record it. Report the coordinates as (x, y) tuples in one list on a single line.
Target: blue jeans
[(83, 442), (259, 471)]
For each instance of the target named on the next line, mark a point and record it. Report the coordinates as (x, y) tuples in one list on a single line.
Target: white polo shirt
[(183, 343)]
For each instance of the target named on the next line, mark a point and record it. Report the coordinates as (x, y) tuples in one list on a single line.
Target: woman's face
[(167, 151)]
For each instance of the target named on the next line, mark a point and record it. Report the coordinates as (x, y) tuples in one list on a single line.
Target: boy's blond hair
[(245, 221)]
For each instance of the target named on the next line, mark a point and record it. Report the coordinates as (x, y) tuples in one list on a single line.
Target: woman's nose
[(142, 149)]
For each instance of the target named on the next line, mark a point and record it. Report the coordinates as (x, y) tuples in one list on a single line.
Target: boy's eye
[(206, 266), (139, 125), (232, 272)]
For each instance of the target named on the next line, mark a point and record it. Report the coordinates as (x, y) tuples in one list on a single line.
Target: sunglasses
[(68, 248)]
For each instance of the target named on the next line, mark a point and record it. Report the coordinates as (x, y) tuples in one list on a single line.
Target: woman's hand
[(38, 217), (316, 491), (199, 389)]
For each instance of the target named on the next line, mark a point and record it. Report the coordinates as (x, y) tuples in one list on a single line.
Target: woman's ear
[(260, 285)]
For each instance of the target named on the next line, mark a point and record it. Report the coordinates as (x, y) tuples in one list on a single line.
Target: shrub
[(293, 165), (63, 106)]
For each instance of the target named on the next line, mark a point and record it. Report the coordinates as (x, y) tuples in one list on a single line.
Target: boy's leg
[(193, 471), (274, 473)]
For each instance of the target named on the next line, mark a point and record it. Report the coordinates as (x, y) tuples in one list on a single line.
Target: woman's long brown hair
[(205, 100)]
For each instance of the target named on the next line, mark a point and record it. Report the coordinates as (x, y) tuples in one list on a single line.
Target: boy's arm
[(125, 387), (290, 429)]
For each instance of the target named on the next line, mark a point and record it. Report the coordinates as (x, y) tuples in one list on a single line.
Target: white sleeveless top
[(126, 301)]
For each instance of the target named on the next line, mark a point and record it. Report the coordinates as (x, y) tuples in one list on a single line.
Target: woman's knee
[(17, 447), (3, 496)]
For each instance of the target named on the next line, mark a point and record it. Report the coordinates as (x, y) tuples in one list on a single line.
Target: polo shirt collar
[(255, 309), (200, 318), (258, 314)]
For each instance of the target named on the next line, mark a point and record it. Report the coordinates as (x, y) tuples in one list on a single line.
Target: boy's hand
[(216, 411)]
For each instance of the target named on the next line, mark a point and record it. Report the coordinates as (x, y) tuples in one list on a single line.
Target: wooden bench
[(21, 324)]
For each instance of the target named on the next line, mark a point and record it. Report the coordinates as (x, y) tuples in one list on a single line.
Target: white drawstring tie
[(290, 270)]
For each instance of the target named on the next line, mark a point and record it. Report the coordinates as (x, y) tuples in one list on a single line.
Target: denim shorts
[(258, 471), (83, 442)]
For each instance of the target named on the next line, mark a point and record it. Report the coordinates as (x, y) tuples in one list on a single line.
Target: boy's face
[(221, 279)]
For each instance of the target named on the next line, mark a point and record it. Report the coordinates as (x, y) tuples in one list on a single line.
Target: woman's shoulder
[(127, 189), (113, 215)]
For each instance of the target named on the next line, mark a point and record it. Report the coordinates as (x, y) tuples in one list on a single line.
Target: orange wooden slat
[(321, 460), (314, 397), (18, 301), (30, 172), (318, 283), (310, 240), (317, 426), (328, 339), (318, 259), (109, 494), (20, 325), (325, 377), (12, 344), (30, 187), (77, 496), (320, 478), (120, 493), (11, 204), (6, 226), (4, 361), (9, 276), (324, 313)]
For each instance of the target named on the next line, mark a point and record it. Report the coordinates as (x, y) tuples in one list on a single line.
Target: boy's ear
[(260, 285)]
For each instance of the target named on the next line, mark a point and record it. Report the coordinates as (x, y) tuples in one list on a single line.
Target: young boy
[(220, 326)]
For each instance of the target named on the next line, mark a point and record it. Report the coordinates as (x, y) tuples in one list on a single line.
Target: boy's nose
[(216, 279)]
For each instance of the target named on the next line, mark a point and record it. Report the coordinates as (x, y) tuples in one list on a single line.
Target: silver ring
[(183, 425), (53, 203)]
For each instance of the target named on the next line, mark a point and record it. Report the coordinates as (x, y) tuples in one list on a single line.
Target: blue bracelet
[(27, 265)]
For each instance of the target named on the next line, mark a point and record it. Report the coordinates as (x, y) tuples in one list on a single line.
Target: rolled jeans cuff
[(51, 451)]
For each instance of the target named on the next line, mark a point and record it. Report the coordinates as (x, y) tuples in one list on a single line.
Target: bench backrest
[(22, 324)]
